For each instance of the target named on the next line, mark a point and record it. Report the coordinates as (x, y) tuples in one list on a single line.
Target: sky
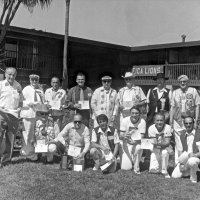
[(123, 22)]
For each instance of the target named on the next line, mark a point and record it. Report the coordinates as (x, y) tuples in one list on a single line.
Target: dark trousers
[(8, 128)]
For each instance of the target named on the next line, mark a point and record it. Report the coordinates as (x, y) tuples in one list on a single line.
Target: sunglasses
[(77, 122), (106, 81), (43, 114)]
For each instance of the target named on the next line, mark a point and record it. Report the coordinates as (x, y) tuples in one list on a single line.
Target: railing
[(173, 71), (191, 70), (43, 64)]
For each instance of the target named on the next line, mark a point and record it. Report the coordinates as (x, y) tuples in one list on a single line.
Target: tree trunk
[(65, 51)]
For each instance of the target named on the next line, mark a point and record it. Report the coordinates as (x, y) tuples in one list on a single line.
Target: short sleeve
[(151, 131), (168, 131), (94, 136), (142, 126), (173, 99), (142, 95), (148, 94), (124, 124), (116, 137), (197, 98)]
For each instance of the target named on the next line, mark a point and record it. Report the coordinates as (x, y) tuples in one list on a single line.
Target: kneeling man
[(188, 164), (75, 134), (160, 133), (105, 143), (132, 130)]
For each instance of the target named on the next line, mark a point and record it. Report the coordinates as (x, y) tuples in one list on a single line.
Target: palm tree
[(10, 8), (65, 50)]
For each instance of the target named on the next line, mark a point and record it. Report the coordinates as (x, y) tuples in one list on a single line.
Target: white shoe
[(137, 172), (95, 169), (166, 175), (194, 181)]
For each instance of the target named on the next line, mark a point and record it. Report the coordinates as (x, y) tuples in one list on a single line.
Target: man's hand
[(106, 151), (113, 158), (121, 107), (191, 155), (81, 155), (77, 106), (30, 104), (112, 118)]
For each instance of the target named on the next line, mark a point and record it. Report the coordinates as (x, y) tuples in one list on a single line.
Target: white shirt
[(51, 95), (159, 136), (29, 97), (103, 141), (190, 140), (10, 96), (133, 95), (137, 128)]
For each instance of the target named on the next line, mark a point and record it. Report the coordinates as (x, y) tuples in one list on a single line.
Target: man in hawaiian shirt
[(185, 102), (103, 101), (129, 96)]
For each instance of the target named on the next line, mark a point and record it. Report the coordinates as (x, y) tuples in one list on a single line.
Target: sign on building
[(147, 70)]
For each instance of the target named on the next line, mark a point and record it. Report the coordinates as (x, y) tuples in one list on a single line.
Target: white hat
[(128, 75)]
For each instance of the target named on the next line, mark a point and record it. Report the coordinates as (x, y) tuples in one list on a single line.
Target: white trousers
[(178, 145), (190, 169), (159, 161), (130, 156), (28, 149)]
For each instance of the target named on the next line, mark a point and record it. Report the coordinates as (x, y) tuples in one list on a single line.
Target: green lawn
[(25, 180)]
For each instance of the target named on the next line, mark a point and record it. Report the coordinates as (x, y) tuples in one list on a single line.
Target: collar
[(78, 87), (162, 90), (54, 90), (103, 89), (190, 134), (133, 87), (8, 84), (102, 132)]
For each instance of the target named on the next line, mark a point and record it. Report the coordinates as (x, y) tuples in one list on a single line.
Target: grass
[(23, 180)]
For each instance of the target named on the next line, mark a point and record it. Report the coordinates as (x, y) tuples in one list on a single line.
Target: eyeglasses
[(34, 79), (106, 81), (43, 114), (77, 122), (128, 79)]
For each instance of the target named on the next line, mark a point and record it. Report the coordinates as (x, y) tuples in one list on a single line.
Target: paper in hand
[(41, 147), (55, 105), (84, 105), (146, 144), (74, 151)]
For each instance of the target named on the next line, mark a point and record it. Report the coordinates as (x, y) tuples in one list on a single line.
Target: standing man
[(129, 96), (79, 98), (103, 101), (185, 102), (190, 146), (56, 97), (10, 102), (33, 98), (158, 99)]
